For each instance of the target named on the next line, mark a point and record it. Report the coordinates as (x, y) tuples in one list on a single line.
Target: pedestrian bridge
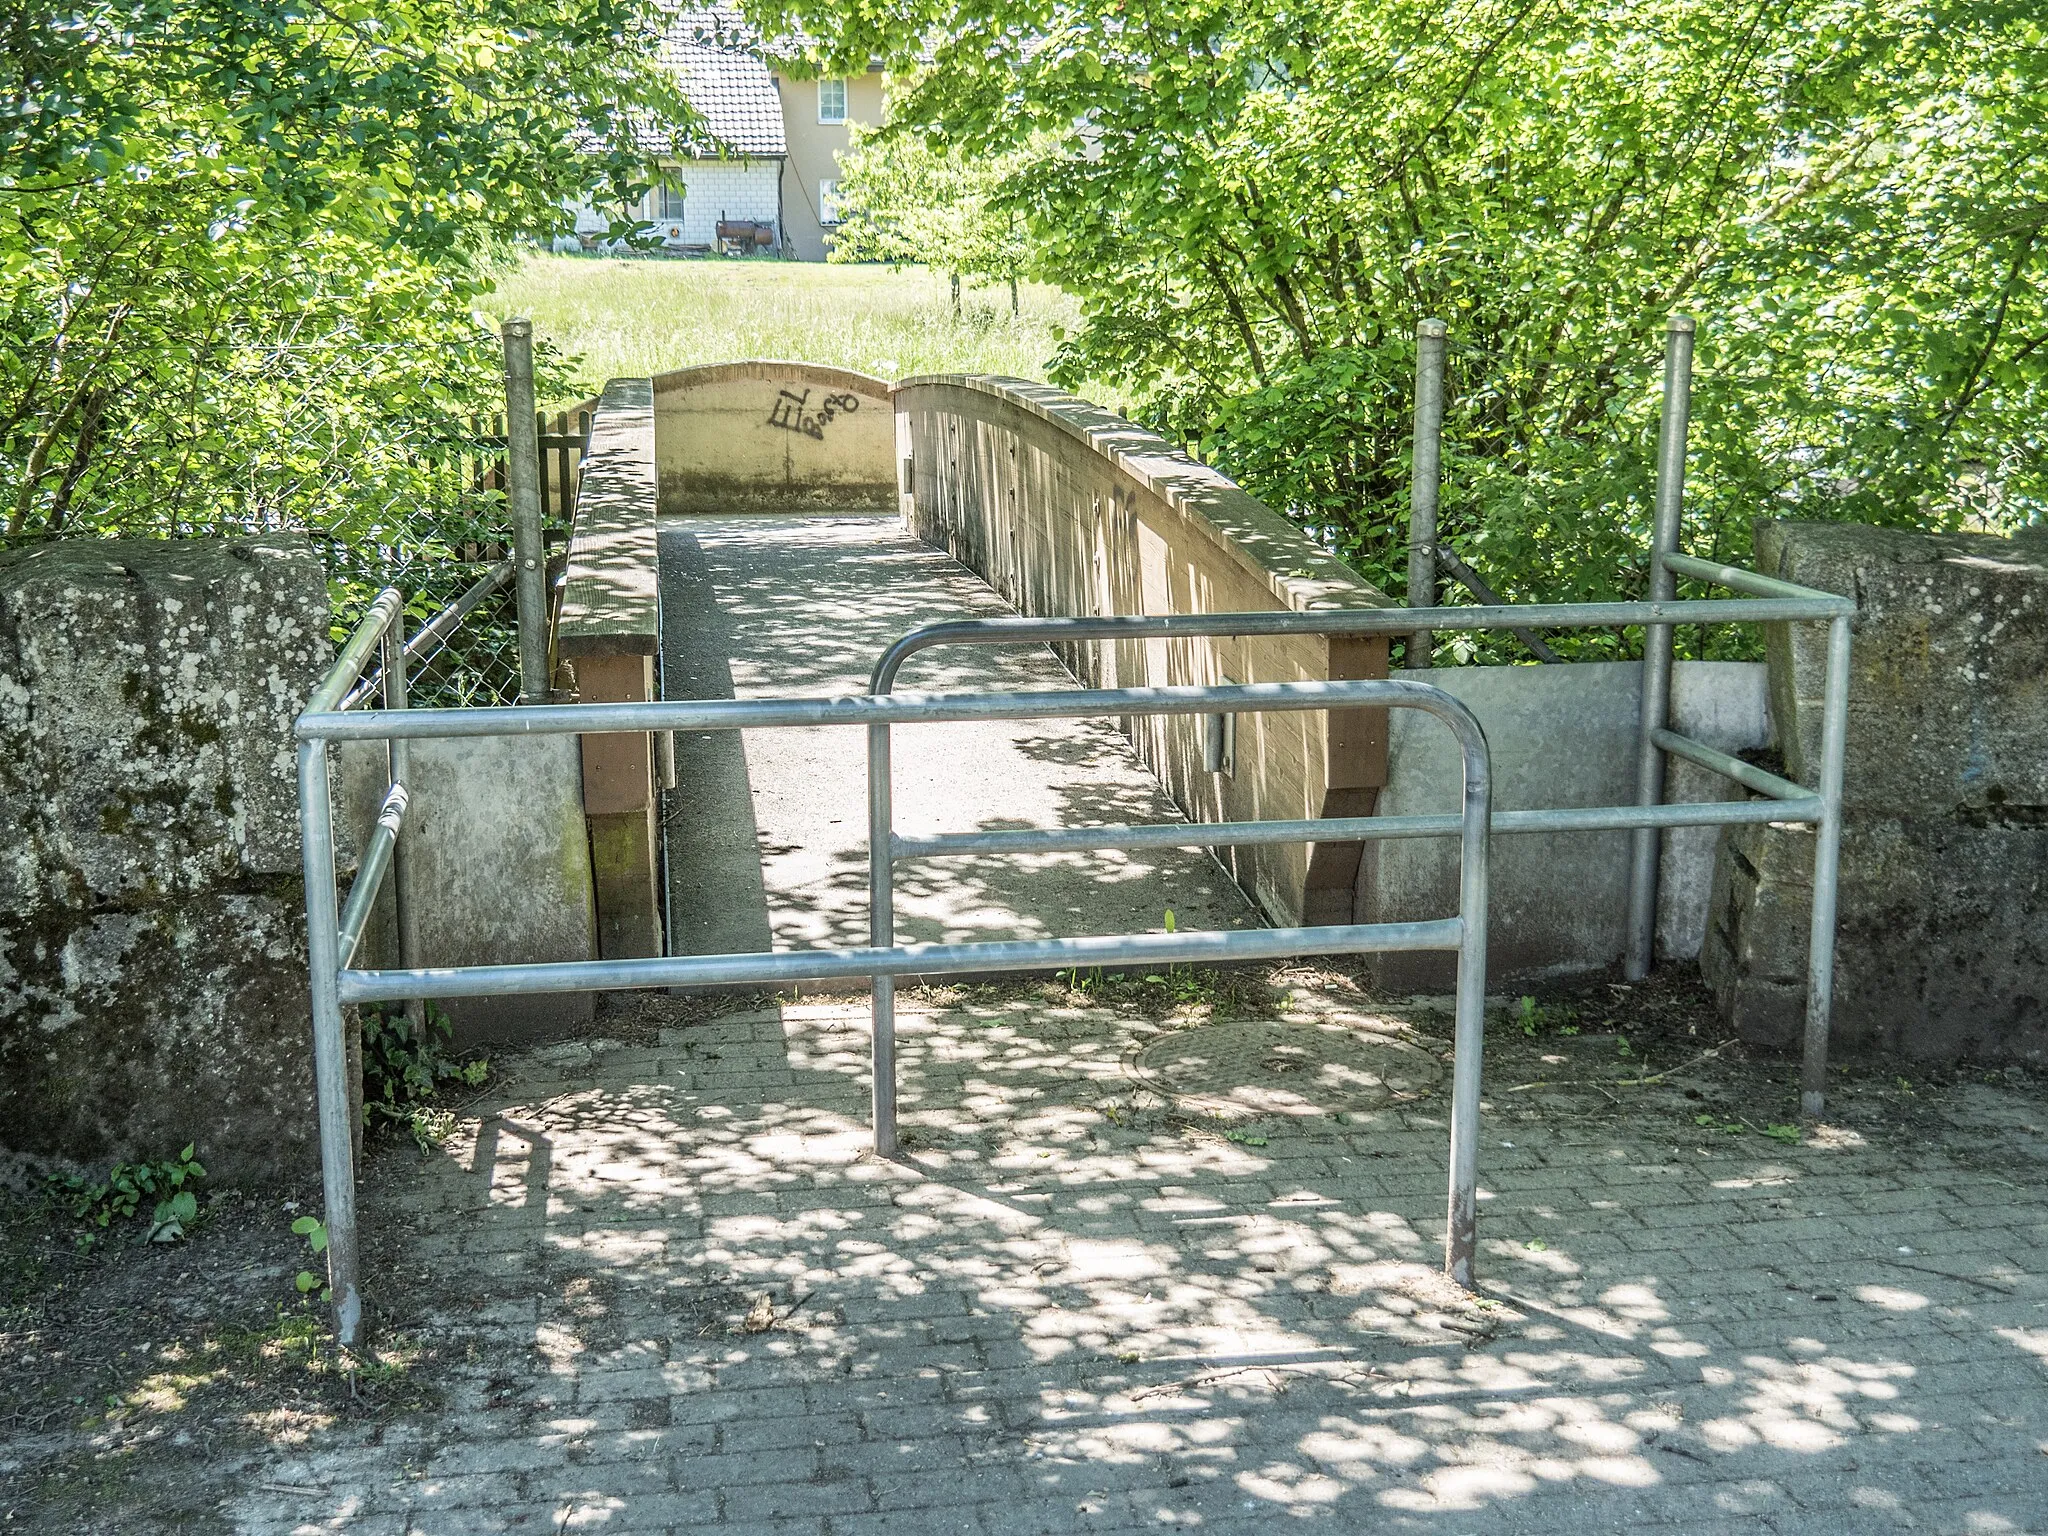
[(766, 529)]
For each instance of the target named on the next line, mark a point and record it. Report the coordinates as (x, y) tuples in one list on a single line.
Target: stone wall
[(152, 953), (1942, 943)]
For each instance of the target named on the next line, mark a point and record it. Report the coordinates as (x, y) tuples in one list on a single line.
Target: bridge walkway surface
[(767, 830)]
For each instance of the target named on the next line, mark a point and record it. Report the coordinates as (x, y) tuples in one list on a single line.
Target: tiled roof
[(732, 90)]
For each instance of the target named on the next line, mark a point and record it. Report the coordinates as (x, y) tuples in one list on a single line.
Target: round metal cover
[(1266, 1067)]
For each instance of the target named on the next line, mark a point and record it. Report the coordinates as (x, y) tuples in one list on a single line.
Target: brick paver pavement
[(694, 1304)]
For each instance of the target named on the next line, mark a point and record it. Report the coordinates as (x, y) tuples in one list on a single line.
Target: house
[(763, 174), (816, 115)]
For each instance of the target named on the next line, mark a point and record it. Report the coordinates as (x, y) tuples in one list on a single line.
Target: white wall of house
[(730, 189), (712, 189)]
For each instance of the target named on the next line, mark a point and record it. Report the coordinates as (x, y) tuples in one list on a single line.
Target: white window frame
[(831, 211), (828, 114), (661, 198)]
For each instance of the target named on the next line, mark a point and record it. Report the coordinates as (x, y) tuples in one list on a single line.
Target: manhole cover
[(1263, 1067)]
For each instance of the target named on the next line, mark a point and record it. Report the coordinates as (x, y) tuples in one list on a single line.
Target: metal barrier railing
[(333, 936)]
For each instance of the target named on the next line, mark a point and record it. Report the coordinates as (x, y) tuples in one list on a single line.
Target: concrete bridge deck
[(767, 830)]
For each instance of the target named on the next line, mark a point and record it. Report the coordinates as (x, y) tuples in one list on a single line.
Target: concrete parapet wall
[(1942, 944), (773, 437), (1560, 736), (610, 634), (496, 865), (1067, 509), (152, 928)]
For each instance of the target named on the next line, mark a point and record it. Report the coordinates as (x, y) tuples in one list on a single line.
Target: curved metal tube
[(355, 653)]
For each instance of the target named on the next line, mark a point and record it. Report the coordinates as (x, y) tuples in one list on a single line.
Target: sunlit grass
[(628, 317)]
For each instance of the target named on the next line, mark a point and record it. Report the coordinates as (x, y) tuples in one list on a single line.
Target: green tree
[(239, 240), (908, 200), (1256, 202)]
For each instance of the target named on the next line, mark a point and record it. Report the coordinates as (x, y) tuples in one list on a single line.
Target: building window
[(830, 210), (831, 101), (667, 201)]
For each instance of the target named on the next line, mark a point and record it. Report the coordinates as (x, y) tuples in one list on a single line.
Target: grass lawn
[(625, 317)]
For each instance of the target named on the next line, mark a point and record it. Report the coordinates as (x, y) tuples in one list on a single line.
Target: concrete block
[(1560, 736), (497, 869)]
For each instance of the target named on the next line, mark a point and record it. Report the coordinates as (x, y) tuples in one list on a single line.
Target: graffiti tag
[(792, 413)]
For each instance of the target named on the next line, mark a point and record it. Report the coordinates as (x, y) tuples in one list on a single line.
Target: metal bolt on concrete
[(693, 1302)]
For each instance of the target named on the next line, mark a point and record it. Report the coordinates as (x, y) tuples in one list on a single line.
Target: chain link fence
[(388, 456)]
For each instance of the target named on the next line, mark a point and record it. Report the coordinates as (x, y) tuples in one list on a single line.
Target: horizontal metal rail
[(852, 709), (1344, 829), (783, 966), (1358, 621)]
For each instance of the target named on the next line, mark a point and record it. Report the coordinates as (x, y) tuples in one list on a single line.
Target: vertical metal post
[(330, 1046), (398, 695), (1425, 478), (882, 934), (1648, 841), (522, 481), (1461, 1235), (1827, 858)]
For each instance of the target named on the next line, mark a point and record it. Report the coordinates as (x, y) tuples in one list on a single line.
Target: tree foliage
[(1256, 201), (908, 200), (239, 238)]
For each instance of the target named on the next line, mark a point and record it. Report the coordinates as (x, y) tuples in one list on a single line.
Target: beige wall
[(767, 436), (1066, 508), (814, 153)]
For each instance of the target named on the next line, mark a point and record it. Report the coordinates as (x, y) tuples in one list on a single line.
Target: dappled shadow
[(796, 606), (1075, 1298)]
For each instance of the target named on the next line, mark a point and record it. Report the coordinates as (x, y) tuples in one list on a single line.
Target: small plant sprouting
[(1790, 1134), (404, 1067), (314, 1231), (1536, 1018), (122, 1194)]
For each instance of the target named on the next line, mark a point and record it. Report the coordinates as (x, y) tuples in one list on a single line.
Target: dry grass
[(626, 317)]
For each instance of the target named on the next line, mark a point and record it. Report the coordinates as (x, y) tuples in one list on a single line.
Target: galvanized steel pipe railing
[(1766, 599), (335, 983), (334, 1102)]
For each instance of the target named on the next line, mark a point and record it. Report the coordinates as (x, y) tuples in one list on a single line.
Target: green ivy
[(127, 1190), (405, 1065)]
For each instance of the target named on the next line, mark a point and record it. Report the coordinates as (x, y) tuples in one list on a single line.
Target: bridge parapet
[(773, 436), (609, 632), (1068, 509)]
